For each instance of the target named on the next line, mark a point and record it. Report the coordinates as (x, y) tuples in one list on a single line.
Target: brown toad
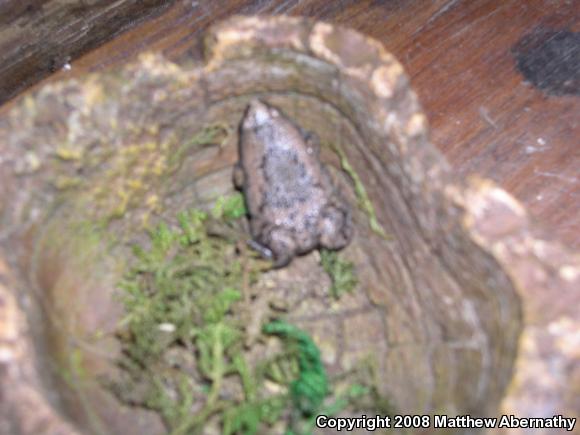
[(293, 205)]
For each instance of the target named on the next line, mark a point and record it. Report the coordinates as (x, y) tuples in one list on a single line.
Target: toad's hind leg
[(336, 228)]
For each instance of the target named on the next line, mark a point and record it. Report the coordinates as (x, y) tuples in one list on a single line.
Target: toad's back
[(290, 198)]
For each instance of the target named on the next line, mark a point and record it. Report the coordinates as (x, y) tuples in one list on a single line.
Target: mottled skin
[(293, 206)]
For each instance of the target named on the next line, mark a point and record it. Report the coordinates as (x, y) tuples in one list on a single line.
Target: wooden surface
[(38, 37), (459, 54)]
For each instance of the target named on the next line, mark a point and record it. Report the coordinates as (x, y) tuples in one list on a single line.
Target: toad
[(291, 200)]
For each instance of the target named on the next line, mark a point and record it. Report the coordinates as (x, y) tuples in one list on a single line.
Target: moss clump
[(364, 201), (229, 207), (68, 153), (183, 335), (341, 273), (185, 352), (310, 389), (178, 298)]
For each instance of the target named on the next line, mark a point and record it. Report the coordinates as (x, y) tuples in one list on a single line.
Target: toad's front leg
[(238, 176)]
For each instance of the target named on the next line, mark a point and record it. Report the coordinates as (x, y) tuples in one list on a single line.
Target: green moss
[(68, 153), (310, 389), (247, 418), (229, 207), (183, 336), (213, 134), (72, 371), (341, 403), (64, 182), (364, 201), (341, 273), (179, 296)]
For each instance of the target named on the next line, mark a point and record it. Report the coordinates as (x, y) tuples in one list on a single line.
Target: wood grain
[(484, 117), (38, 37)]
